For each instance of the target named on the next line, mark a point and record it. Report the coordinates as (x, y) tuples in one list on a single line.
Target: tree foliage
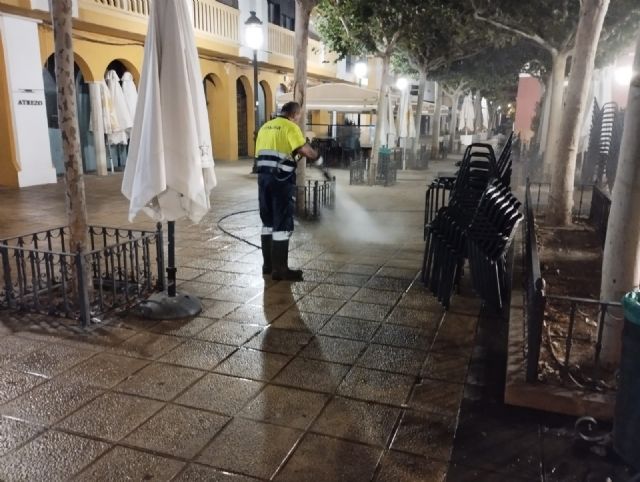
[(364, 27)]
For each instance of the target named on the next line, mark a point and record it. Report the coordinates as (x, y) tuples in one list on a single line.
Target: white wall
[(28, 109)]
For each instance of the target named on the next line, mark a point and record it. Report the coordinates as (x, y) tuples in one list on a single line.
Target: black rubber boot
[(266, 240), (280, 256)]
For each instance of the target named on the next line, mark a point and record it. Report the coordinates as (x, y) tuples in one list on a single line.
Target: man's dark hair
[(290, 109)]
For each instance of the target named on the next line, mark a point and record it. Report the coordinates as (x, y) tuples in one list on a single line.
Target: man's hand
[(308, 152)]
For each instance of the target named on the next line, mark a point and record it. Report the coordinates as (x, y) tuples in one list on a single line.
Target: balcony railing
[(281, 41), (216, 19), (136, 7)]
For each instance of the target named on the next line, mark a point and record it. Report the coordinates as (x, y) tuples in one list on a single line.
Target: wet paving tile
[(399, 273), (198, 354), (292, 290), (415, 318), (122, 463), (322, 306), (337, 350), (14, 433), (220, 393), (393, 359), (338, 292), (202, 473), (14, 384), (183, 328), (250, 447), (52, 456), (242, 268), (314, 275), (379, 297), (14, 347), (348, 279), (177, 431), (401, 467), (188, 274), (229, 332), (384, 283), (254, 315), (197, 288), (274, 340), (323, 458), (49, 402), (376, 386), (110, 416), (235, 294), (103, 370), (160, 381), (324, 265), (364, 311), (275, 298), (219, 309), (427, 434), (420, 299), (404, 337), (147, 345), (253, 364), (365, 422), (50, 360), (437, 396), (449, 368), (312, 375), (285, 406), (351, 328), (362, 269), (292, 319)]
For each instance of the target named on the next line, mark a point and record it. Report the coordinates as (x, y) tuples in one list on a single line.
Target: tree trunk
[(303, 14), (621, 261), (592, 13), (61, 17), (381, 116), (556, 95), (422, 85), (437, 119), (455, 100)]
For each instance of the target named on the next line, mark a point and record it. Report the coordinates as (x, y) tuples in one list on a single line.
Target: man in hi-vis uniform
[(278, 141)]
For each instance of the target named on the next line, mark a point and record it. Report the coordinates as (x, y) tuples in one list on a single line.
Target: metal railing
[(317, 195), (535, 299), (599, 212), (386, 170), (581, 203), (358, 172), (41, 275), (573, 340)]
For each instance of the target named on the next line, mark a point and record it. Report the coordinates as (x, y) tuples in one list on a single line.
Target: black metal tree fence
[(559, 325), (317, 195), (40, 274)]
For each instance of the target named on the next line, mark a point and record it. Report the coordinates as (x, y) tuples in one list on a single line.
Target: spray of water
[(351, 222)]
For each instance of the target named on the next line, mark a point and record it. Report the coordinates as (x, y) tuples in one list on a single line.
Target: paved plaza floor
[(353, 374)]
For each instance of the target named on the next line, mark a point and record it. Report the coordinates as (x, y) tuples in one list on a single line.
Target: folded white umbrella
[(130, 93), (169, 173), (390, 139), (467, 114), (485, 113), (120, 109)]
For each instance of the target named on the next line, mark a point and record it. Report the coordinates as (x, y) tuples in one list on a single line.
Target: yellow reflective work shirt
[(281, 136)]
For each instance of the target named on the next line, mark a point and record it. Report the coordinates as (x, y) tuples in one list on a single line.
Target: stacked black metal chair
[(488, 239), (447, 232)]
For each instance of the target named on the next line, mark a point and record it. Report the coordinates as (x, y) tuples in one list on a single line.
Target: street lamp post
[(254, 39)]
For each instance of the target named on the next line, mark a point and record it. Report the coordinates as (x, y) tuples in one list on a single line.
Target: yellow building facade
[(112, 32)]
